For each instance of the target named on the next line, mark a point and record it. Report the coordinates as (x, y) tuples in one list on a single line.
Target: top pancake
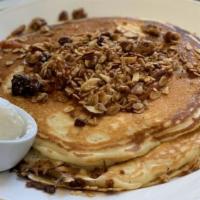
[(115, 138)]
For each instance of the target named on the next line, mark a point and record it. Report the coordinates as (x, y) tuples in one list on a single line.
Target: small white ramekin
[(13, 151)]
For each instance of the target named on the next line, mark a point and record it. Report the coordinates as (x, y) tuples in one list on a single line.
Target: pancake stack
[(117, 102)]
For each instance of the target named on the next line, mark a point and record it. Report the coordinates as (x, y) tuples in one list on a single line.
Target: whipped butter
[(12, 125)]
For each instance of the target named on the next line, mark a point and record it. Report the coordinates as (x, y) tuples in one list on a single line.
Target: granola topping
[(103, 72)]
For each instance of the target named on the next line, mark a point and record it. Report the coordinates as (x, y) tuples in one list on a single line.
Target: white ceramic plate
[(184, 13)]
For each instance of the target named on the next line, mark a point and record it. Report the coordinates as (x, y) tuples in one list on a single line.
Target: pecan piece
[(171, 37), (19, 30), (152, 30), (37, 23), (63, 16), (79, 14)]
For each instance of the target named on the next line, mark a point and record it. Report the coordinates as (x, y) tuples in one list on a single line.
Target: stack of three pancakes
[(122, 152)]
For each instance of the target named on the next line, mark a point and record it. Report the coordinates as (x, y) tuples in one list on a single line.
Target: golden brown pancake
[(169, 160), (117, 138)]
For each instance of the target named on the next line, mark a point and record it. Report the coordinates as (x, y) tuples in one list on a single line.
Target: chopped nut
[(151, 29), (79, 14), (124, 88), (64, 40), (126, 46), (63, 16), (19, 30), (88, 56), (37, 23), (171, 37), (145, 47)]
